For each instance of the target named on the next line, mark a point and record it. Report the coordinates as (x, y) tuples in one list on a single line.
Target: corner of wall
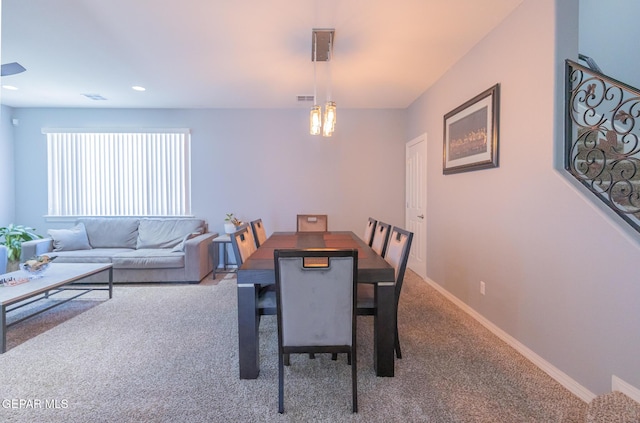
[(629, 390)]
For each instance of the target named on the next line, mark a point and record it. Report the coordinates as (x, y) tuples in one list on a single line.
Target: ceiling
[(234, 53)]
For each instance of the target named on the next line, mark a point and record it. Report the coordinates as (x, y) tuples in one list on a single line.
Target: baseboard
[(559, 376), (629, 390)]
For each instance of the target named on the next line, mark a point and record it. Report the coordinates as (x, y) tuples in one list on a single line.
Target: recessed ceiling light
[(138, 88), (9, 87)]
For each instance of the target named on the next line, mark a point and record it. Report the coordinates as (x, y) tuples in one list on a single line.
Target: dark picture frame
[(471, 134)]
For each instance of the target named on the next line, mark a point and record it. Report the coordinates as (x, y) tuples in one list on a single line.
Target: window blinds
[(118, 174)]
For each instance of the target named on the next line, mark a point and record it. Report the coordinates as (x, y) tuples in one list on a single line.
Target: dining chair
[(259, 234), (316, 307), (244, 245), (380, 238), (369, 231), (397, 255), (312, 223)]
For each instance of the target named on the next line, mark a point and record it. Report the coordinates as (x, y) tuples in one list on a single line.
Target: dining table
[(258, 271)]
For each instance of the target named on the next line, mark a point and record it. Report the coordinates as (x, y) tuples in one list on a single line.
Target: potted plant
[(231, 223), (13, 236)]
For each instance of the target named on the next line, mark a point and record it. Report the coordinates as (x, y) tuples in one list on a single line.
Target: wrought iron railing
[(602, 141)]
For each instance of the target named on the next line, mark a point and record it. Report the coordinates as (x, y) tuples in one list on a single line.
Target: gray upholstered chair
[(259, 234), (369, 231), (316, 307), (380, 237), (312, 223), (397, 255), (3, 259)]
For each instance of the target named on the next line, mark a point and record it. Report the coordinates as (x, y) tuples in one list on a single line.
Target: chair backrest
[(4, 257), (316, 303), (312, 223), (259, 234), (368, 231), (397, 254), (243, 243), (380, 237)]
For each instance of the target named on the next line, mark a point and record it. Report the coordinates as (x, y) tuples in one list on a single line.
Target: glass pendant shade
[(315, 120), (329, 119)]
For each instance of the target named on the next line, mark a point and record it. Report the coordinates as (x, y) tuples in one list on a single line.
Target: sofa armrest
[(3, 259), (196, 257), (36, 247)]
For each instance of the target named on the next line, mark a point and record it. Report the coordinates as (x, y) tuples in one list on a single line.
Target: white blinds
[(118, 174)]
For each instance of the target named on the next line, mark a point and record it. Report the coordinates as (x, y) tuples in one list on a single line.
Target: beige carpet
[(168, 353)]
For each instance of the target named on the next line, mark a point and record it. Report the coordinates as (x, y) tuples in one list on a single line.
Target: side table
[(220, 242)]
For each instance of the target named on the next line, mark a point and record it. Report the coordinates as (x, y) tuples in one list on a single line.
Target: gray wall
[(7, 184), (609, 33), (254, 163), (561, 276)]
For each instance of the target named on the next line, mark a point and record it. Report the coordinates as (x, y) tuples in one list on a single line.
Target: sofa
[(140, 249)]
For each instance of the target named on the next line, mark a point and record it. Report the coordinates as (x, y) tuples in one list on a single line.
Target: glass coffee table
[(23, 289)]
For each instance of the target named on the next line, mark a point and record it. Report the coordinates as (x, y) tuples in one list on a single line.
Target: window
[(143, 173)]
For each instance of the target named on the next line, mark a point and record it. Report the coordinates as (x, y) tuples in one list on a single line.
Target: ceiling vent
[(305, 98), (94, 96)]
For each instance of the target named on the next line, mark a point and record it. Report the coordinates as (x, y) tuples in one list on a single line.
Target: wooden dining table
[(258, 271)]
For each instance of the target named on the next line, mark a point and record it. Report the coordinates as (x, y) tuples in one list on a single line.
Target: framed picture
[(471, 134)]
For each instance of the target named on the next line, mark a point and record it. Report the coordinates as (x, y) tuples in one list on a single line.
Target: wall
[(561, 276), (7, 184), (254, 163), (609, 34)]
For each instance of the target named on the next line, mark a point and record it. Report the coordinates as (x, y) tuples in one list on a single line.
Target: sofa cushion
[(95, 255), (116, 232), (70, 239), (148, 258), (166, 233)]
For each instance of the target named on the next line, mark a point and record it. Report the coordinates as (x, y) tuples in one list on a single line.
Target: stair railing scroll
[(602, 140)]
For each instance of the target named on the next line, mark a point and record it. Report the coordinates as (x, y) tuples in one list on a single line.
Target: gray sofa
[(140, 249)]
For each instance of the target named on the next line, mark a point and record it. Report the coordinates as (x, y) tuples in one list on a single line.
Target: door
[(416, 202)]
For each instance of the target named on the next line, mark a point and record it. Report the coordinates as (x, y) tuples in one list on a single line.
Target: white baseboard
[(629, 390), (561, 377)]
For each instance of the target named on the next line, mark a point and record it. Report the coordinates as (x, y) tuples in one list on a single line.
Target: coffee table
[(57, 278)]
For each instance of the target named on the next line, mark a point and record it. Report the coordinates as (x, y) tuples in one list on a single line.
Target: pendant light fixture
[(329, 108), (322, 50), (315, 118)]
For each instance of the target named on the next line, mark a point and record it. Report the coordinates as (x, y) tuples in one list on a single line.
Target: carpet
[(168, 353)]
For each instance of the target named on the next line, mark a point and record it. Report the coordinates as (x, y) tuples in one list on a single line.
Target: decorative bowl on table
[(36, 266)]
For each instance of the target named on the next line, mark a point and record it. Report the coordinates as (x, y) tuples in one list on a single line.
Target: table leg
[(111, 282), (225, 256), (248, 323), (215, 258), (3, 328), (384, 323)]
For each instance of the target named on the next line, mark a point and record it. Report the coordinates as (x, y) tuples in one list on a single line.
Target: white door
[(416, 203)]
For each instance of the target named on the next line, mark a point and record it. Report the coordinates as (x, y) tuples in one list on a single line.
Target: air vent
[(94, 96), (305, 98)]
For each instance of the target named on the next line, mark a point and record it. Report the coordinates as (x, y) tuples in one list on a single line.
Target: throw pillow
[(180, 247), (70, 239)]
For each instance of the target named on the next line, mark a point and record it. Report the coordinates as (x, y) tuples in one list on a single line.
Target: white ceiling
[(234, 53)]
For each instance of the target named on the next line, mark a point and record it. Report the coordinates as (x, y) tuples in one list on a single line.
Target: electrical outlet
[(482, 286)]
